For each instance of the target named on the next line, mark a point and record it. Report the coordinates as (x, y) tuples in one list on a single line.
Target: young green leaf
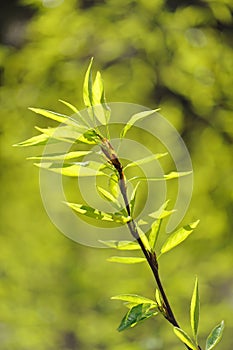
[(61, 118), (62, 156), (69, 105), (178, 236), (121, 245), (184, 337), (145, 160), (161, 212), (135, 315), (134, 119), (39, 140), (158, 299), (126, 260), (79, 169), (90, 137), (154, 232), (87, 86), (166, 177), (133, 198), (98, 89), (75, 110), (175, 174), (157, 215), (194, 310), (144, 238), (134, 298), (62, 133), (215, 336), (107, 195), (113, 185), (98, 214)]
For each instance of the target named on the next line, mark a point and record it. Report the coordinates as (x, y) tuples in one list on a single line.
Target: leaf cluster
[(92, 130)]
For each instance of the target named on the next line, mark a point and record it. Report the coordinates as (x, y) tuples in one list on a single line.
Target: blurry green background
[(55, 293)]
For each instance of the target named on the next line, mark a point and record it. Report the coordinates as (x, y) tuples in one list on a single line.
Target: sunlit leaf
[(126, 260), (175, 174), (34, 141), (215, 336), (194, 310), (184, 337), (142, 222), (81, 169), (134, 298), (158, 299), (90, 136), (161, 213), (145, 160), (98, 89), (107, 195), (134, 119), (77, 113), (62, 133), (133, 198), (178, 236), (61, 118), (135, 315), (87, 86), (113, 185), (97, 214), (144, 238), (62, 156), (122, 245), (154, 232), (73, 108), (170, 176)]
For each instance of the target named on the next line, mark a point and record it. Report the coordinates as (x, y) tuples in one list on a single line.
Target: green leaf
[(134, 119), (90, 137), (101, 110), (87, 86), (98, 214), (159, 299), (184, 337), (134, 298), (145, 160), (62, 133), (126, 260), (194, 310), (98, 89), (170, 176), (34, 141), (144, 238), (135, 315), (158, 215), (161, 213), (62, 156), (61, 118), (107, 195), (215, 336), (113, 185), (133, 198), (122, 245), (71, 134), (73, 108), (79, 169), (174, 174), (154, 233), (178, 236)]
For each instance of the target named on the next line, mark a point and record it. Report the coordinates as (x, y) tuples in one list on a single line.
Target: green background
[(177, 55)]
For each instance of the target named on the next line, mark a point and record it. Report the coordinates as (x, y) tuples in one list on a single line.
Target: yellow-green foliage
[(55, 293)]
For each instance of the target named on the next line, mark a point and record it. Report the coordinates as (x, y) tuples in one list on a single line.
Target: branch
[(150, 256)]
